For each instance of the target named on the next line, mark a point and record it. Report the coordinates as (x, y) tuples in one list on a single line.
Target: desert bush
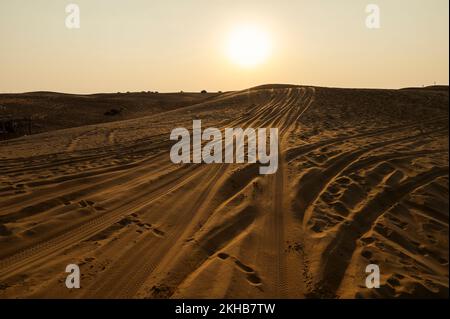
[(113, 112)]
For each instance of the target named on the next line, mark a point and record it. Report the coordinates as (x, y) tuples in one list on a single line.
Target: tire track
[(79, 232), (338, 253), (296, 152), (318, 181)]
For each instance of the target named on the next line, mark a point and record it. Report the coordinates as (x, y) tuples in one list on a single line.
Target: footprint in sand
[(87, 203), (252, 276), (223, 256), (158, 232), (82, 203), (145, 226), (243, 267), (254, 279)]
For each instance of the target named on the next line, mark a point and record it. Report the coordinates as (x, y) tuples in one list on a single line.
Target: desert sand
[(362, 179)]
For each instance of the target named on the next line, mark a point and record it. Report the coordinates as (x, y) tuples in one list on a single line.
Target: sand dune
[(50, 111), (362, 178)]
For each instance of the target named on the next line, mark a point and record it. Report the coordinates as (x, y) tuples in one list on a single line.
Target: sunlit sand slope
[(362, 179)]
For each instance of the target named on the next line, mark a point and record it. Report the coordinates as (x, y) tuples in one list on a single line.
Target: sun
[(248, 46)]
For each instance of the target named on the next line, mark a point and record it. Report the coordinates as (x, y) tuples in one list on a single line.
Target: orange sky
[(172, 45)]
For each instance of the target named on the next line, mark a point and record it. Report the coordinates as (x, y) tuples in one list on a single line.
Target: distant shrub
[(113, 112)]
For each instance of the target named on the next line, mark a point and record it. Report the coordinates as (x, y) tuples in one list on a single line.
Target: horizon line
[(221, 91)]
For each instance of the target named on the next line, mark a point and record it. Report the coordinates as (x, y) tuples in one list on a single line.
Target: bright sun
[(248, 46)]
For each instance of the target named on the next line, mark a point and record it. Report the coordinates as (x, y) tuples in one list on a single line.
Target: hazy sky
[(173, 45)]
